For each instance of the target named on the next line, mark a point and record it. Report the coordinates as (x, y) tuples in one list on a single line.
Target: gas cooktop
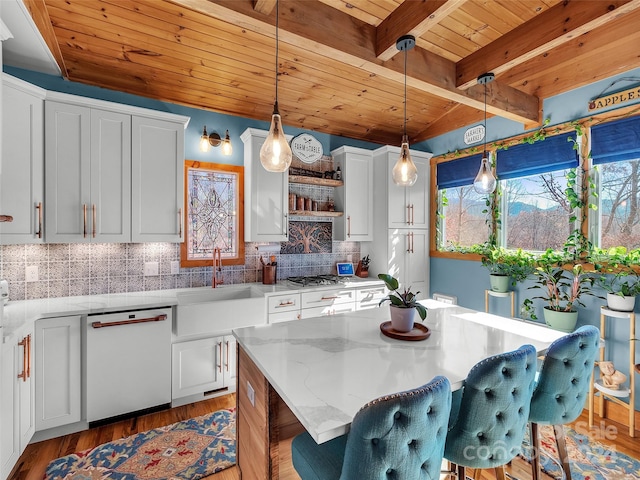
[(314, 280)]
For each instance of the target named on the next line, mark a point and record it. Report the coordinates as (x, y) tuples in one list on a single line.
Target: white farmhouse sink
[(219, 310), (218, 294)]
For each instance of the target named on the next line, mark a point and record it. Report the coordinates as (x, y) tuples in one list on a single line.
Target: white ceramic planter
[(621, 304), (402, 318)]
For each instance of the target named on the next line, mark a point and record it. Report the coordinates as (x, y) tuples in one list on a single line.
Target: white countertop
[(327, 368), (17, 314)]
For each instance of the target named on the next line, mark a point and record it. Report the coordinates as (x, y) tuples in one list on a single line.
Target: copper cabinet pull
[(29, 356), (84, 216), (412, 242), (23, 343), (285, 304), (349, 226), (159, 318), (409, 242), (39, 208), (408, 214), (180, 222), (412, 215), (227, 352), (93, 221), (333, 297), (6, 218), (220, 362)]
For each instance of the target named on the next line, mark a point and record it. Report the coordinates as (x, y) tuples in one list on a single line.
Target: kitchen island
[(315, 374)]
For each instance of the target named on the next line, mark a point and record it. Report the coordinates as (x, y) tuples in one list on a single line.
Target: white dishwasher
[(128, 362)]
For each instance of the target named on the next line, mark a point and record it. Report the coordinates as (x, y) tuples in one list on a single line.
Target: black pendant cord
[(405, 92), (485, 120)]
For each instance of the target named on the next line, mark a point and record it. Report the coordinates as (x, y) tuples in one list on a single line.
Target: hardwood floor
[(34, 460)]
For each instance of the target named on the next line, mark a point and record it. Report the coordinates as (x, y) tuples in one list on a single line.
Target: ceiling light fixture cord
[(277, 17), (405, 91)]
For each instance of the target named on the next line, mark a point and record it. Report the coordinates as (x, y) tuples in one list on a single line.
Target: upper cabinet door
[(157, 180), (22, 179), (110, 212), (355, 197), (67, 172), (266, 194)]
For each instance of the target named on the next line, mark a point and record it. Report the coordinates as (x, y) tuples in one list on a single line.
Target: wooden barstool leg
[(500, 475), (535, 452), (558, 430)]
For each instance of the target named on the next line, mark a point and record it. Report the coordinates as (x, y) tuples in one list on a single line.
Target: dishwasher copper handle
[(93, 220), (39, 208), (220, 362), (84, 216), (159, 318)]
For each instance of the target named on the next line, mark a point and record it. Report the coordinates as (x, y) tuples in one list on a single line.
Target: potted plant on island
[(620, 279), (403, 305), (562, 290), (506, 267)]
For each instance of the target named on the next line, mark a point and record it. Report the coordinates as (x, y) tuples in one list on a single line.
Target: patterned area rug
[(190, 450), (589, 459)]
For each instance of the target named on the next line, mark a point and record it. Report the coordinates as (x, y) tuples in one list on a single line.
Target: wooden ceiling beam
[(40, 15), (411, 18), (556, 26), (335, 35), (264, 6)]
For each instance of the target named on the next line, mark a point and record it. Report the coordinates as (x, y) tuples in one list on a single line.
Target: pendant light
[(275, 154), (404, 172), (485, 182)]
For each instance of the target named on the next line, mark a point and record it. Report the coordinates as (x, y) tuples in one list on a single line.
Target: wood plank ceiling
[(339, 70)]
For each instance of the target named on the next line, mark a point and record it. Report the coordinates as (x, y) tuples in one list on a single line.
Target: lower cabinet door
[(230, 367), (9, 405), (197, 366), (58, 372)]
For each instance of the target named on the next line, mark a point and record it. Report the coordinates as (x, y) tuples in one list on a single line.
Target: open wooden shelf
[(325, 182), (314, 213)]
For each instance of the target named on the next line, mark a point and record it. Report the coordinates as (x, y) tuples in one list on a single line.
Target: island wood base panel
[(264, 430)]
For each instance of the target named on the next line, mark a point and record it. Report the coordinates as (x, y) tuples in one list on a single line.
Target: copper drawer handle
[(159, 318), (93, 221), (6, 218), (39, 208), (329, 298), (349, 226), (227, 352), (180, 222), (220, 362), (285, 304), (84, 216), (23, 343)]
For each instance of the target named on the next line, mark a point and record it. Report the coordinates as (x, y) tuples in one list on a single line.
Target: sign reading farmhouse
[(307, 148), (615, 98), (474, 134)]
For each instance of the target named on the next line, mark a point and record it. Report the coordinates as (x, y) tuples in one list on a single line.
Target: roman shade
[(459, 172), (548, 155), (616, 141)]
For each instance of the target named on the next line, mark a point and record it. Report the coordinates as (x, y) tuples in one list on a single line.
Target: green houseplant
[(505, 266), (562, 290), (403, 305), (619, 277)]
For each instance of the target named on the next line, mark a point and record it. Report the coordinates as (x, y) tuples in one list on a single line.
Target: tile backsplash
[(91, 269)]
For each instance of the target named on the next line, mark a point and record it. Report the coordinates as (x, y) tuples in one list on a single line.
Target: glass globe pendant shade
[(485, 182), (275, 154), (404, 172)]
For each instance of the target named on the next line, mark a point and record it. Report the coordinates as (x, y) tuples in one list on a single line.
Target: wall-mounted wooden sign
[(306, 147), (615, 98)]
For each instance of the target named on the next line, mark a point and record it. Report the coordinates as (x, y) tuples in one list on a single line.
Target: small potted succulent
[(403, 305)]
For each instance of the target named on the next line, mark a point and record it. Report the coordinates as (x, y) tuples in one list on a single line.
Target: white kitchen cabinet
[(401, 234), (203, 367), (17, 393), (87, 174), (408, 252), (283, 308), (318, 303), (58, 367), (369, 297), (158, 180), (22, 179), (355, 196), (266, 194), (406, 206)]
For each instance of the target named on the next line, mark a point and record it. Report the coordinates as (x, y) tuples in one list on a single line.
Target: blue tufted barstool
[(490, 419), (399, 436), (559, 396)]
